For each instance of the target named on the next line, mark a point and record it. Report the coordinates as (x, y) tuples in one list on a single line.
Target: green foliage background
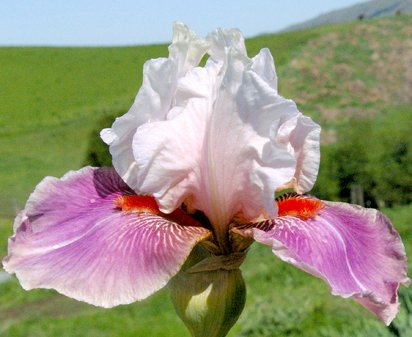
[(375, 153)]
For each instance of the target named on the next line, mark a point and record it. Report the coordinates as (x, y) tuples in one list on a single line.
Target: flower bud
[(209, 302)]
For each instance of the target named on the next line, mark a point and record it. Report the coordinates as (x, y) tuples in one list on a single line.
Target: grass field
[(51, 99)]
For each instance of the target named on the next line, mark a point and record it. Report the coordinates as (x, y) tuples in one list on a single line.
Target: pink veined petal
[(355, 250), (72, 238)]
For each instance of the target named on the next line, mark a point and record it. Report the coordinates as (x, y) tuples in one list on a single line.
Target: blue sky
[(127, 22)]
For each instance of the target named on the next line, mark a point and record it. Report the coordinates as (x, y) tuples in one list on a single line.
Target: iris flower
[(197, 161)]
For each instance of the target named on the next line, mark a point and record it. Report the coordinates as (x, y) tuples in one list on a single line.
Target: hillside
[(366, 10), (362, 68), (50, 100)]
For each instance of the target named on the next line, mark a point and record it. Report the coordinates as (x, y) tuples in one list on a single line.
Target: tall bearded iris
[(197, 161)]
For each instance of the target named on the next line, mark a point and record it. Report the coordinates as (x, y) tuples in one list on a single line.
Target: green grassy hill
[(51, 99), (362, 68)]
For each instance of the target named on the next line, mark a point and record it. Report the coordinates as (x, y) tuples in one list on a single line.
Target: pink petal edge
[(72, 238), (353, 249)]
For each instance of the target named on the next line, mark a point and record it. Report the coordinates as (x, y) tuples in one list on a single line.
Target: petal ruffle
[(154, 99), (72, 238), (355, 250), (230, 139)]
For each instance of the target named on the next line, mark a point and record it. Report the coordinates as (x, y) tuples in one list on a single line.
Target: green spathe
[(209, 302)]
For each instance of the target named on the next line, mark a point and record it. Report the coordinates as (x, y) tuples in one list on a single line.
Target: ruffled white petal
[(264, 66), (155, 98), (219, 135)]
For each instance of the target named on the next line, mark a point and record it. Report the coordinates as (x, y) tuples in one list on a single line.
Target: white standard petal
[(302, 136), (229, 141), (264, 66), (154, 99)]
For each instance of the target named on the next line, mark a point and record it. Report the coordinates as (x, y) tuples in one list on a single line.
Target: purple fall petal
[(72, 238), (355, 250)]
